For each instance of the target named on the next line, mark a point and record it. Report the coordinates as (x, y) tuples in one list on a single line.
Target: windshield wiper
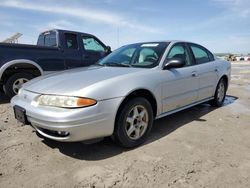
[(117, 64), (98, 64)]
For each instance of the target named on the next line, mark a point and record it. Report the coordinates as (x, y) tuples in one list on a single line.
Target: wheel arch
[(225, 77), (21, 64), (139, 93)]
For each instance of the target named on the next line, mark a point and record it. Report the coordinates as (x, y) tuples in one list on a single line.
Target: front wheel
[(220, 94), (133, 123), (15, 82)]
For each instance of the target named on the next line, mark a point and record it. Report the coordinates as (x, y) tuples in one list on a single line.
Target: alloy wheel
[(221, 92), (137, 122)]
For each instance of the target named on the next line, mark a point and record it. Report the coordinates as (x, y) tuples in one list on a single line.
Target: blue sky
[(220, 25)]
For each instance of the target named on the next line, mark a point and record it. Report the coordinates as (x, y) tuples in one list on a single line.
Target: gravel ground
[(198, 147)]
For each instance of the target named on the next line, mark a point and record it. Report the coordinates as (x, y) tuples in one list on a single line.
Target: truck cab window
[(50, 39), (92, 44), (71, 41), (40, 41)]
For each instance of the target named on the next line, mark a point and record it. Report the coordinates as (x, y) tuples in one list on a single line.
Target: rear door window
[(200, 54), (50, 39), (71, 41)]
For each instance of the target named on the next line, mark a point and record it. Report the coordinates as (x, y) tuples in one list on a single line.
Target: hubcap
[(221, 92), (137, 122), (18, 84)]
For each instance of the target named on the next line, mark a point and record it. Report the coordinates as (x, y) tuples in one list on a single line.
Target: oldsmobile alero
[(124, 93)]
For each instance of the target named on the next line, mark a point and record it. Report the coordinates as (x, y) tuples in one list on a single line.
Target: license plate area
[(20, 114)]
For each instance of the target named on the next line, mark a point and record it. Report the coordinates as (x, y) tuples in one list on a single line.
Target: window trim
[(210, 54)]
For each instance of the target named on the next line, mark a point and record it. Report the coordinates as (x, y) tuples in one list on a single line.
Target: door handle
[(216, 69), (194, 74)]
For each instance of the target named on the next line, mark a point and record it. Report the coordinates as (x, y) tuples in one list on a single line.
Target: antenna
[(13, 39), (118, 37)]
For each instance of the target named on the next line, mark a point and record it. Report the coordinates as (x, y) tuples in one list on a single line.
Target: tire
[(14, 83), (220, 94), (131, 128)]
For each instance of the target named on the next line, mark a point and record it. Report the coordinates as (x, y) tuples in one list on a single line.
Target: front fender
[(125, 85)]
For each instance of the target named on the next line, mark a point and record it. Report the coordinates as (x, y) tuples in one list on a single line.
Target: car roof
[(171, 41), (160, 41), (67, 31)]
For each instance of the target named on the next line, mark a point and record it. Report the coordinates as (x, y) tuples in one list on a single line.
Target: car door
[(208, 71), (71, 51), (180, 85), (93, 50)]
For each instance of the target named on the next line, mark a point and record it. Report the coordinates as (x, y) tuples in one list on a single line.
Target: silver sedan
[(124, 93)]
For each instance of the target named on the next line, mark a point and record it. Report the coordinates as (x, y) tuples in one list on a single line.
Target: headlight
[(65, 101)]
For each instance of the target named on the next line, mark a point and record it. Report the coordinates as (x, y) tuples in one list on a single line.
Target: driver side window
[(179, 51), (92, 44)]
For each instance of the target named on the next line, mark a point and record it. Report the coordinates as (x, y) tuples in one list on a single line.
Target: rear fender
[(18, 61)]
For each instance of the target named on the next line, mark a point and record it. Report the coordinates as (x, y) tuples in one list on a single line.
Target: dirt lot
[(199, 147)]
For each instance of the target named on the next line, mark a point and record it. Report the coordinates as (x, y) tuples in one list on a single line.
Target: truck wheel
[(133, 123), (15, 82)]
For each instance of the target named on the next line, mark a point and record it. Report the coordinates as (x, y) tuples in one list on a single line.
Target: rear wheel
[(15, 82), (133, 123), (220, 94)]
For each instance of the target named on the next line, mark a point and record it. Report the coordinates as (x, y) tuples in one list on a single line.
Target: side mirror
[(60, 48), (173, 63), (108, 50)]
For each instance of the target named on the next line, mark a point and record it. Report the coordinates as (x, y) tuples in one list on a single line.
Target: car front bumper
[(69, 125)]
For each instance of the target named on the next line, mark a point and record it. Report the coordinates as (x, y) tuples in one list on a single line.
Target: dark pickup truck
[(56, 50)]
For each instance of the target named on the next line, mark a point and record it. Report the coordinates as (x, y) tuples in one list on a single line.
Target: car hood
[(71, 81)]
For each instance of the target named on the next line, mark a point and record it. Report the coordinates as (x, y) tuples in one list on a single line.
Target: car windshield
[(143, 55)]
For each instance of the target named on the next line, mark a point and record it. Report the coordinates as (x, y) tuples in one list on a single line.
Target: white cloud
[(92, 15), (238, 44), (59, 24), (233, 11), (238, 7)]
